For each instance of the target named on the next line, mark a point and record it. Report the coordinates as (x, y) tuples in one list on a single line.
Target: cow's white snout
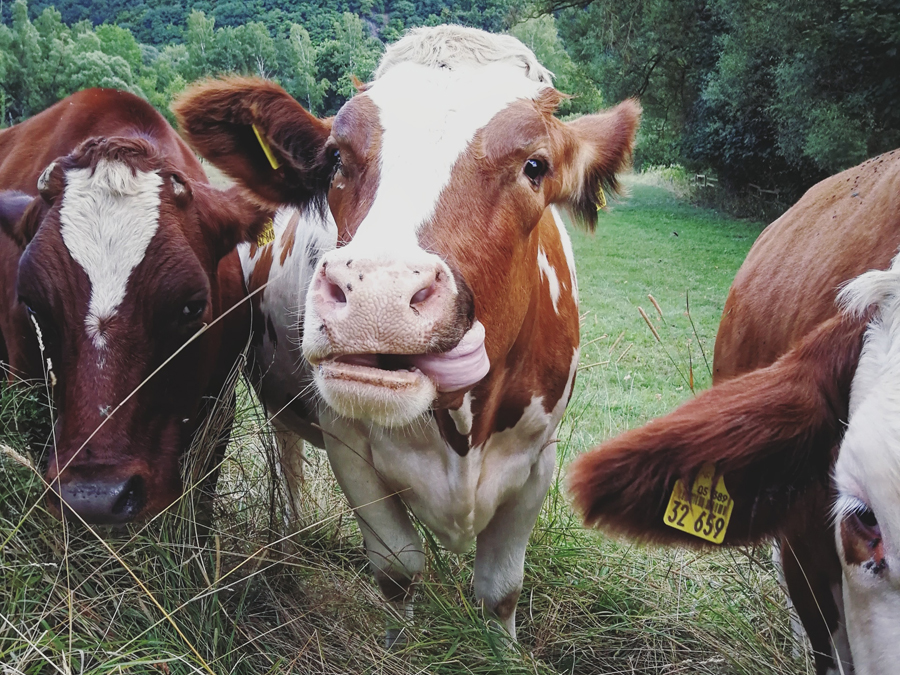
[(380, 305)]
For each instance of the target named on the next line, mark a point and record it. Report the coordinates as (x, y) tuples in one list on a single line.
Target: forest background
[(775, 94)]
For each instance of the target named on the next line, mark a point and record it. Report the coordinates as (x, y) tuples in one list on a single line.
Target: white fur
[(493, 494), (549, 273), (107, 219), (567, 249), (453, 46), (462, 416), (286, 373), (867, 473), (430, 110)]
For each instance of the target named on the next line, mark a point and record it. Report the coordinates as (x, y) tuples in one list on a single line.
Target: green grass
[(249, 599)]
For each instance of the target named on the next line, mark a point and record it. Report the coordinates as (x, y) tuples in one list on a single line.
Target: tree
[(540, 35), (298, 63), (352, 53)]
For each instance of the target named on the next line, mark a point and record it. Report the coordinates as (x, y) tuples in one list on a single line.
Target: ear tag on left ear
[(266, 148), (267, 236), (702, 512), (601, 199)]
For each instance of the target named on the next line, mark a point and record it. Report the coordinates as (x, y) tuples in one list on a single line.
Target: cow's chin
[(389, 398)]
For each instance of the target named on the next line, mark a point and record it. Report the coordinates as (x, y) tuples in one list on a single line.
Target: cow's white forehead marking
[(107, 219), (429, 116)]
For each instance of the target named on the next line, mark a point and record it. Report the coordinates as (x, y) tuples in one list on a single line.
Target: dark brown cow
[(799, 422), (438, 308), (115, 250)]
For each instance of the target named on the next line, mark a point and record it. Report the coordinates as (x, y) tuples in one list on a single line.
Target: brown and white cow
[(800, 422), (115, 251), (439, 308)]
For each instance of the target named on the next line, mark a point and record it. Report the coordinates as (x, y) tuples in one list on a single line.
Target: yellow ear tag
[(267, 236), (266, 148), (701, 512), (601, 199)]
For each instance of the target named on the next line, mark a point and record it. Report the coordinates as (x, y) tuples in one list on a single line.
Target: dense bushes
[(778, 94)]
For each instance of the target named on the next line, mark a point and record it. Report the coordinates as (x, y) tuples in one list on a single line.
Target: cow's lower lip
[(459, 368), (356, 369), (386, 397)]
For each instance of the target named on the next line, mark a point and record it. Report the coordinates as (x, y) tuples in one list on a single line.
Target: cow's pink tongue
[(462, 366)]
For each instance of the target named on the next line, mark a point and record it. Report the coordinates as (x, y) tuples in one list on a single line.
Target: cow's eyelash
[(848, 505)]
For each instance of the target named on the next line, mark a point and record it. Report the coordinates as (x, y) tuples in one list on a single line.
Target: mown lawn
[(252, 599)]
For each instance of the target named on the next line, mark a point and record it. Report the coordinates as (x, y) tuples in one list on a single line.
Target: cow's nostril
[(335, 293), (422, 295), (131, 500)]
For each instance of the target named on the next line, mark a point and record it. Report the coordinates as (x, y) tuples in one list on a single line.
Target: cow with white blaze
[(114, 252), (440, 311)]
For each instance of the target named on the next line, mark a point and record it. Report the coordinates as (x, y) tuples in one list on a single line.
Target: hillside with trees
[(759, 91)]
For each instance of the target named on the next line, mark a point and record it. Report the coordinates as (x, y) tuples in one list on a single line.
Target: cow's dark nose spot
[(103, 502)]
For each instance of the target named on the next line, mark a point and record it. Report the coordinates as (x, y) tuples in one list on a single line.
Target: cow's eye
[(192, 311), (534, 170), (861, 536)]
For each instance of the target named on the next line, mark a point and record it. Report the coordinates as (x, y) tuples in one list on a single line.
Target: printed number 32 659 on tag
[(702, 512)]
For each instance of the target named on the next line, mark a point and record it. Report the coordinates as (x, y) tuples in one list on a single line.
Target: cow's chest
[(456, 497)]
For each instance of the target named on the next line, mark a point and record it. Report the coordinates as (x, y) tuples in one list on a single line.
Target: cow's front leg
[(291, 458), (392, 543), (500, 549)]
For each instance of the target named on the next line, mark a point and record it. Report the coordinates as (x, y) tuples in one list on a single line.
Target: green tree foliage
[(657, 51), (45, 60), (540, 35), (775, 93), (351, 54), (156, 47)]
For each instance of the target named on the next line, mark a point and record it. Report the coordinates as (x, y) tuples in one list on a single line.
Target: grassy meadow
[(256, 598)]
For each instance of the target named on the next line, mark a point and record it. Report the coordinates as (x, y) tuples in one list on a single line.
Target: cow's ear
[(20, 216), (256, 133), (769, 433), (594, 149), (229, 217)]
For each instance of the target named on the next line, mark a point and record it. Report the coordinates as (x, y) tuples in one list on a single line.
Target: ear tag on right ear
[(267, 236), (266, 148), (601, 199), (702, 512)]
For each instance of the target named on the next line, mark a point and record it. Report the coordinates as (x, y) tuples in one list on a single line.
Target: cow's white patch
[(287, 375), (462, 416), (566, 242), (429, 116), (549, 273), (107, 219), (44, 179)]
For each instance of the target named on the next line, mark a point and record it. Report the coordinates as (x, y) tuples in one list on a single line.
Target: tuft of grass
[(258, 592)]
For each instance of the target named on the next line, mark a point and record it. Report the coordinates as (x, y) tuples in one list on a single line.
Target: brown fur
[(774, 419), (769, 432), (216, 117), (191, 255)]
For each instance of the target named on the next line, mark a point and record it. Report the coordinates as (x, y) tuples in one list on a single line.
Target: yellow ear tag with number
[(702, 512), (267, 236), (601, 199), (266, 148)]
